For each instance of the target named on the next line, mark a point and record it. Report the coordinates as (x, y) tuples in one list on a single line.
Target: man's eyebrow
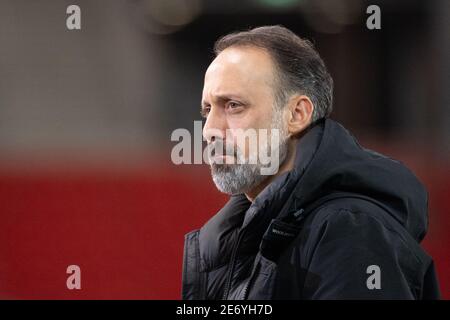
[(223, 97)]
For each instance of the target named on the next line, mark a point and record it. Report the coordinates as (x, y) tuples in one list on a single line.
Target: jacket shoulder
[(346, 239), (358, 218)]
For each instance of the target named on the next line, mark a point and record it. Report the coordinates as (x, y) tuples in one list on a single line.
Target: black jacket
[(345, 223)]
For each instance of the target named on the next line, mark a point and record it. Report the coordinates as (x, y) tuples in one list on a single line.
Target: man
[(336, 221)]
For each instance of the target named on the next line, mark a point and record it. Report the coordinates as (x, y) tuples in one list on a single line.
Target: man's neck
[(287, 165)]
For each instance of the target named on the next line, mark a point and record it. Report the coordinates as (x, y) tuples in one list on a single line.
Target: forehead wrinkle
[(253, 61)]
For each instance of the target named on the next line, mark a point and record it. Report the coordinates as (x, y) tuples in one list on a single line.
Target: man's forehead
[(241, 58), (243, 66)]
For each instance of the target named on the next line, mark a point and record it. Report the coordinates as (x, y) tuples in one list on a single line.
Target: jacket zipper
[(255, 269), (230, 271), (244, 296)]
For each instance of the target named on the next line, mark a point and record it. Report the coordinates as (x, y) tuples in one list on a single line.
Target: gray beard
[(236, 178), (241, 178)]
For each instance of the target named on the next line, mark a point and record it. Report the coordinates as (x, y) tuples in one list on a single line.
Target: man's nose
[(215, 126)]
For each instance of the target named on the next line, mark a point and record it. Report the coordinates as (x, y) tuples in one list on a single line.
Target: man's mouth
[(223, 159)]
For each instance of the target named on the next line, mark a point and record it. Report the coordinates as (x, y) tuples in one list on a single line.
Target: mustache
[(221, 147)]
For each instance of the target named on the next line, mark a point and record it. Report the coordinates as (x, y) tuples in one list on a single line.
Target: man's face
[(238, 94)]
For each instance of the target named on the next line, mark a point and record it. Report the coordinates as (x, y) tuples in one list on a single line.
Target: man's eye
[(205, 111), (233, 105)]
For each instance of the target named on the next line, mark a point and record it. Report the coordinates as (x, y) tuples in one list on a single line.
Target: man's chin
[(235, 178)]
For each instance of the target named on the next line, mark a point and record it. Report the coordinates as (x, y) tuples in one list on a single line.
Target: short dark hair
[(300, 67)]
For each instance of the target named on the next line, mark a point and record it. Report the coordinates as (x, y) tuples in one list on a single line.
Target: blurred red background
[(125, 228)]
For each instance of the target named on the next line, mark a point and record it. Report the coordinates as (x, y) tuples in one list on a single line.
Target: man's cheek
[(269, 154), (246, 142)]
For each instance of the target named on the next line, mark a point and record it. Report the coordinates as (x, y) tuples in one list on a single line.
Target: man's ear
[(300, 110)]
